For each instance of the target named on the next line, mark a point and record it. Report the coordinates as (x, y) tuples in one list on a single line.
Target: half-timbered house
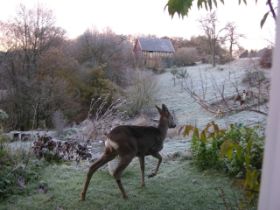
[(152, 50)]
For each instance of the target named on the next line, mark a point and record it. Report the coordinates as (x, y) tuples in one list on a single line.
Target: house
[(151, 51)]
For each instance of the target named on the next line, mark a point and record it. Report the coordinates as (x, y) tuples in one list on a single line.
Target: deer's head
[(166, 116)]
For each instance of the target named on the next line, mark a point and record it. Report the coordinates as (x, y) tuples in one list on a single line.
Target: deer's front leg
[(158, 156), (142, 166)]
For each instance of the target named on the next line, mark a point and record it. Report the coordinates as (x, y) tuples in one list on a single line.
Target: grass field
[(179, 185)]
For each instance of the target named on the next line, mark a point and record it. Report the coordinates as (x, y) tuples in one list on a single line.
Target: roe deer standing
[(129, 141)]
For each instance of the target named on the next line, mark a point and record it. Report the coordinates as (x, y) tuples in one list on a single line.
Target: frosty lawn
[(179, 185)]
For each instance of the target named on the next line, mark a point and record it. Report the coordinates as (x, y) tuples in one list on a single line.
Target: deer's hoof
[(151, 175), (82, 197)]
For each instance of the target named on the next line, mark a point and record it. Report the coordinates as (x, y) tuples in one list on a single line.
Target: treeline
[(44, 75), (41, 72), (196, 49)]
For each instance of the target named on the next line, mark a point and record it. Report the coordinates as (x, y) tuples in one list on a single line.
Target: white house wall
[(270, 184)]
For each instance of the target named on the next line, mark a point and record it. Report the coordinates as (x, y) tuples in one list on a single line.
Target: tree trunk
[(230, 51), (214, 54)]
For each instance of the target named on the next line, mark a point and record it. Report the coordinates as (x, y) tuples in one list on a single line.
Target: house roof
[(156, 45)]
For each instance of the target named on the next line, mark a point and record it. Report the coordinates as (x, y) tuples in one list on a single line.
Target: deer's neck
[(163, 127)]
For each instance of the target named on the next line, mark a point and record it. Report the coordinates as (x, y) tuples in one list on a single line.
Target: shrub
[(103, 112), (186, 56), (17, 170), (141, 95), (254, 78), (205, 145), (266, 59), (174, 72), (225, 58), (237, 150), (242, 149)]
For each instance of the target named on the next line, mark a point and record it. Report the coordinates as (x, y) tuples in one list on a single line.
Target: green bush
[(237, 150), (205, 145), (242, 150), (17, 170)]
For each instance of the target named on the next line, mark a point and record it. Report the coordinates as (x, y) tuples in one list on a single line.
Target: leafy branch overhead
[(182, 7)]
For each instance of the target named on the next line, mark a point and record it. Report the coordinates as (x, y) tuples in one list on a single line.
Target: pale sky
[(148, 17)]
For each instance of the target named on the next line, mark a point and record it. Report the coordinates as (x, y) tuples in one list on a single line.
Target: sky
[(148, 17)]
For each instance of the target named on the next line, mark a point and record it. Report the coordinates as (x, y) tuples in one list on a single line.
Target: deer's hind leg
[(124, 162), (142, 167), (105, 158)]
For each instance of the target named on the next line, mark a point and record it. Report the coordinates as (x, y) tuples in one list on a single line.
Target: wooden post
[(270, 184)]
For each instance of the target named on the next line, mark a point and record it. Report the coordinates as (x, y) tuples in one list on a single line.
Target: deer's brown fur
[(129, 141)]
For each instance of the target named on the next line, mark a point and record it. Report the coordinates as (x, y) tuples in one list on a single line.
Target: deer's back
[(143, 140)]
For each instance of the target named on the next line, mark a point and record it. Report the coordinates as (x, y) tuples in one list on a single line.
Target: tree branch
[(269, 3)]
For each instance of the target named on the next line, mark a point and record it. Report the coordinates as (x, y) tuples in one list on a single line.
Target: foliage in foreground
[(17, 170), (182, 7), (237, 150)]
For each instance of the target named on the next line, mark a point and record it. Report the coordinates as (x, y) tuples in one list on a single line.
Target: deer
[(130, 141)]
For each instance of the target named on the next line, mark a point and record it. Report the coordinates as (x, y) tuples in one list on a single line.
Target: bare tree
[(209, 27), (113, 52), (231, 95), (26, 38), (232, 37)]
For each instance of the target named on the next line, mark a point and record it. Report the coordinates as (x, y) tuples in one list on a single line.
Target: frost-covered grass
[(179, 185), (188, 111)]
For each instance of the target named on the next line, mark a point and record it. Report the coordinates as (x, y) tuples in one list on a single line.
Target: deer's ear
[(164, 108), (159, 110)]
